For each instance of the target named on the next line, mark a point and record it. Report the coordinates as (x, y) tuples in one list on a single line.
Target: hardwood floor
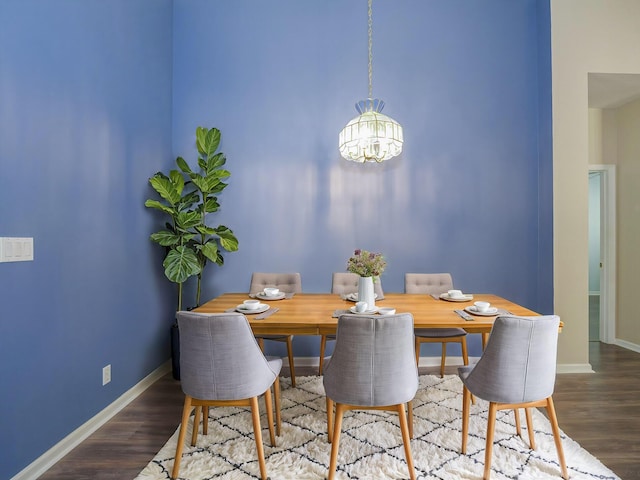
[(600, 411)]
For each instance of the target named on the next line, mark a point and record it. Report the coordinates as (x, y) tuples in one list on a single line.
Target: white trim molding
[(628, 345), (75, 438), (574, 368), (608, 252)]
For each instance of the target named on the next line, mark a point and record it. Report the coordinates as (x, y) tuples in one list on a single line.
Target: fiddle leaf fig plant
[(188, 196)]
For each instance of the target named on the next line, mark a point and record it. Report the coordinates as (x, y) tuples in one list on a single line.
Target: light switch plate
[(16, 249)]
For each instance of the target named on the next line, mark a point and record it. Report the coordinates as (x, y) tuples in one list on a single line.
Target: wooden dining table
[(315, 313)]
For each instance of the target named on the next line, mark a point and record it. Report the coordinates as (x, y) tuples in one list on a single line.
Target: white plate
[(474, 311), (373, 310), (354, 297), (263, 307), (463, 298), (262, 296)]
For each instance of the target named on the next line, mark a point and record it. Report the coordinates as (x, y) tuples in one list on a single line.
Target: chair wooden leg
[(261, 344), (276, 394), (516, 414), (418, 343), (257, 433), (323, 345), (465, 354), (532, 438), (410, 417), (466, 400), (290, 354), (205, 420), (443, 359), (406, 439), (488, 451), (336, 441), (196, 426), (329, 420), (186, 411), (556, 436), (268, 403)]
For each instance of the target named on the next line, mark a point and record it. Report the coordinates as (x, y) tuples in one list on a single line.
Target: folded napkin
[(436, 296), (229, 310), (289, 295), (264, 315), (340, 312)]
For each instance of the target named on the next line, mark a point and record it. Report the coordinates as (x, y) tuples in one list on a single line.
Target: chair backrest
[(220, 358), (373, 362), (519, 362), (345, 283), (429, 283), (286, 282)]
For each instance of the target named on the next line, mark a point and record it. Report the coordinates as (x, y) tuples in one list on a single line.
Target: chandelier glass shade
[(371, 136)]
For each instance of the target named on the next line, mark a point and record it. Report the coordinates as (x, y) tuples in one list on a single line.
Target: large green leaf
[(166, 238), (211, 205), (228, 240), (167, 190), (200, 182), (205, 230), (186, 220), (183, 165), (188, 200), (177, 179), (219, 187), (207, 141), (180, 264), (159, 206), (210, 250), (216, 161)]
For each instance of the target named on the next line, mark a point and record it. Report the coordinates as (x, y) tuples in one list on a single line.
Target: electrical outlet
[(106, 375)]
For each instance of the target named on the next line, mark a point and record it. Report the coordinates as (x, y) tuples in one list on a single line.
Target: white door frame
[(607, 252)]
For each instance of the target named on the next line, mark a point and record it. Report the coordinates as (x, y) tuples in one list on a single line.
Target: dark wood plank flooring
[(600, 411)]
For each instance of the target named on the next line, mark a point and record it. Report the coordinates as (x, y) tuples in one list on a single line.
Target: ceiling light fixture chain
[(371, 136), (370, 49)]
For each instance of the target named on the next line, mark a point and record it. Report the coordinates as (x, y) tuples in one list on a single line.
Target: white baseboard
[(64, 446), (457, 361), (449, 361), (424, 361), (628, 345), (574, 368)]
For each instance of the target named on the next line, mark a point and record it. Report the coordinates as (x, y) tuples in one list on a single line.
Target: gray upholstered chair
[(344, 283), (372, 367), (222, 365), (435, 284), (287, 283), (517, 370)]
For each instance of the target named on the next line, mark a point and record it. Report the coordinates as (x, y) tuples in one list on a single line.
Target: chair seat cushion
[(440, 332)]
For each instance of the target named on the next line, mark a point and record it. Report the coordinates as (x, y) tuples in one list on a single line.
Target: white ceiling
[(612, 90)]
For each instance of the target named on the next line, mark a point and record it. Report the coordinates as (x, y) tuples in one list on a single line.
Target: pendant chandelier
[(371, 136)]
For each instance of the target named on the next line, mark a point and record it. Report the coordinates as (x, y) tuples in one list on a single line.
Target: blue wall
[(85, 119), (92, 105), (280, 81)]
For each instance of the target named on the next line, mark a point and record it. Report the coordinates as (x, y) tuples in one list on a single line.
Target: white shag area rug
[(371, 444)]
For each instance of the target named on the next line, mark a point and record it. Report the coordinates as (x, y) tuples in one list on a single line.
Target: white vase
[(365, 292)]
